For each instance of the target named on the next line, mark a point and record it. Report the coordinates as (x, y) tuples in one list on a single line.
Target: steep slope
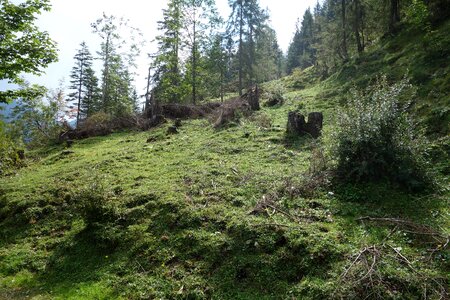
[(234, 213)]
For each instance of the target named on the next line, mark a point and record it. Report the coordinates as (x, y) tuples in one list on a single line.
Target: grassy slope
[(184, 227)]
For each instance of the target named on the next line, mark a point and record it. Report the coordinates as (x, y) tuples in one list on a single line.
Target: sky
[(68, 23)]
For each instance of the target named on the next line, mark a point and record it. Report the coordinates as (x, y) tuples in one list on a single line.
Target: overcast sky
[(68, 23)]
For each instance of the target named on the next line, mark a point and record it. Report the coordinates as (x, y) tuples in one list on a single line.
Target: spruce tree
[(91, 102), (167, 62), (199, 18), (246, 22), (116, 81), (80, 76)]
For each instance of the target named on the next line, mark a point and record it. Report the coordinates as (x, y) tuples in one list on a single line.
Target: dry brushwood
[(267, 205), (410, 227), (366, 274)]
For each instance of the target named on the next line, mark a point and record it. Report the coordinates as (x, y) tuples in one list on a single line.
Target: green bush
[(376, 139), (97, 124), (274, 93), (95, 204), (9, 153), (100, 211)]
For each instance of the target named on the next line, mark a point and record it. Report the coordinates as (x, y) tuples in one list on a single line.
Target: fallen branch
[(365, 273), (412, 228)]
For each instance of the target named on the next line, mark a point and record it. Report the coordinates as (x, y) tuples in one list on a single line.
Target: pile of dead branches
[(383, 272)]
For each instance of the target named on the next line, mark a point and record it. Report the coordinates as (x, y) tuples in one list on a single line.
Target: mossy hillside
[(419, 54), (174, 217)]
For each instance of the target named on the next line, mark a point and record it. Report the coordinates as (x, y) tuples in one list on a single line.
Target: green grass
[(174, 214), (182, 226)]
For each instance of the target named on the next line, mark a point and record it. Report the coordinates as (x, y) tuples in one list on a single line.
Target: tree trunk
[(221, 80), (357, 25), (241, 28), (105, 92), (251, 56), (344, 30), (148, 109), (194, 65), (394, 17), (80, 85)]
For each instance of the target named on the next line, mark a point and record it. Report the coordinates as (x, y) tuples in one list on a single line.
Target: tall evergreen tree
[(216, 67), (301, 52), (245, 24), (91, 102), (167, 62), (116, 78), (268, 64), (80, 77), (294, 50), (199, 19)]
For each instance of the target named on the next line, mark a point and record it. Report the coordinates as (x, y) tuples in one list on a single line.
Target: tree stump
[(172, 130), (298, 126), (315, 124), (296, 123), (21, 154), (252, 97)]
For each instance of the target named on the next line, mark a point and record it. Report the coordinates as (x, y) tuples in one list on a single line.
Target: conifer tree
[(116, 81), (91, 102), (245, 24), (199, 19), (80, 76), (167, 62)]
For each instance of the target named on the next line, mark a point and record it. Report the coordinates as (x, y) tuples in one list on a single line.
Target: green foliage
[(220, 213), (84, 84), (116, 81), (301, 53), (9, 156), (97, 124), (98, 207), (274, 93), (23, 48), (95, 203), (377, 140), (167, 63), (417, 15), (38, 120)]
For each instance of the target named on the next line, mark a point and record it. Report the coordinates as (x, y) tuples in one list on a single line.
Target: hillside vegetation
[(241, 212)]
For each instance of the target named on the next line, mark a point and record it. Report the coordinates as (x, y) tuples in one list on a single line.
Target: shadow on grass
[(79, 262), (382, 200), (292, 142)]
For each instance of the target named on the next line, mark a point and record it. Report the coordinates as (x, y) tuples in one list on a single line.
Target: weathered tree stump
[(315, 124), (172, 130), (252, 97), (298, 126), (21, 154)]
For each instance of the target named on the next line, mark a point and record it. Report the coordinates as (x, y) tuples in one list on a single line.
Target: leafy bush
[(95, 204), (274, 94), (9, 154), (376, 139), (97, 124), (417, 14), (262, 120), (37, 120), (101, 213)]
